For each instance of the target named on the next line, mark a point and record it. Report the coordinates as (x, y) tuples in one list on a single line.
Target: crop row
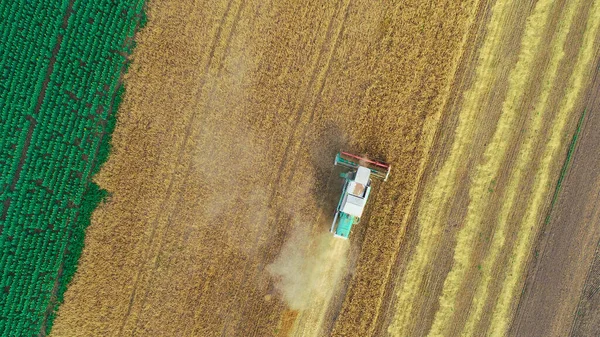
[(59, 73)]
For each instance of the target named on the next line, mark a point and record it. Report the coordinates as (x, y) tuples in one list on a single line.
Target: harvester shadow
[(329, 140), (328, 184)]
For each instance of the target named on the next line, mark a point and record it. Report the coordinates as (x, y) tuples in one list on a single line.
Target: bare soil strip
[(555, 301)]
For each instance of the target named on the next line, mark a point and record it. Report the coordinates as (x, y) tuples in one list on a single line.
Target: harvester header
[(378, 169), (357, 187)]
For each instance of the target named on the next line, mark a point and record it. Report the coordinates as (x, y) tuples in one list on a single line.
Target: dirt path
[(222, 166), (555, 301)]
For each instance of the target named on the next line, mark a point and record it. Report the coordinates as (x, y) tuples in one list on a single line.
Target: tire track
[(189, 124), (38, 105), (275, 188), (179, 203), (298, 120), (301, 107), (320, 84), (300, 325), (198, 204)]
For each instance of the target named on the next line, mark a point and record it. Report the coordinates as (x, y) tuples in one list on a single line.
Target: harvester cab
[(356, 190)]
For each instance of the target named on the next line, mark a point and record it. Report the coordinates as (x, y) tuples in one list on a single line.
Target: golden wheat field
[(223, 187)]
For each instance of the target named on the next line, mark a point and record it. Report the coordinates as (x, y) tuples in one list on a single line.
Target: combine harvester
[(357, 186)]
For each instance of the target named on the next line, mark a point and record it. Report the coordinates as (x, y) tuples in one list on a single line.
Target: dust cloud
[(308, 268)]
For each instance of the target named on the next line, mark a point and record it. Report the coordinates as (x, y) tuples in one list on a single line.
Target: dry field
[(222, 180)]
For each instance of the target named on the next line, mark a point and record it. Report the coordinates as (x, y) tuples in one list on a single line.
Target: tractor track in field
[(188, 133), (180, 152), (301, 108), (32, 124), (301, 112), (211, 55)]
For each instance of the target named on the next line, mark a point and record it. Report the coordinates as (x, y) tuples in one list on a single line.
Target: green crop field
[(60, 69)]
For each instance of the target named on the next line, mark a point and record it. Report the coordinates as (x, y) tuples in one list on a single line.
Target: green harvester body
[(356, 190)]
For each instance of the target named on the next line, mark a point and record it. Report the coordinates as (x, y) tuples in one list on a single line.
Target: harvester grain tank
[(356, 190)]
